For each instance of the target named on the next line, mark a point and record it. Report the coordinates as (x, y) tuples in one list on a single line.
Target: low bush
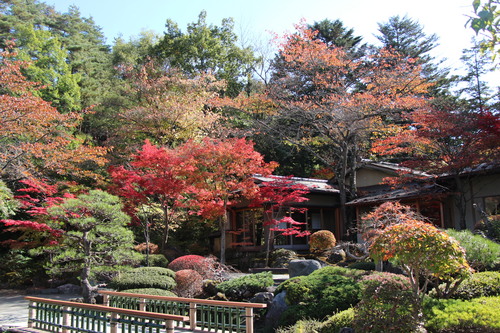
[(481, 253), (155, 260), (450, 315), (363, 265), (246, 286), (321, 293), (321, 240), (204, 266), (189, 283), (478, 285), (281, 257), (150, 291), (338, 321), (302, 326), (144, 277), (490, 228), (387, 305)]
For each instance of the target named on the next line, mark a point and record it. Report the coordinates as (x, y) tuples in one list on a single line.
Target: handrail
[(186, 300), (61, 318), (204, 306)]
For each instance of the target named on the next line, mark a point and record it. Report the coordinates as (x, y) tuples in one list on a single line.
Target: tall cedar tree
[(35, 139)]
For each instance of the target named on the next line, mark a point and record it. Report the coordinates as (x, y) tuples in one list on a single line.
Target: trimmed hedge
[(246, 286), (481, 253), (151, 291), (479, 285), (144, 277), (155, 260), (451, 315), (338, 321)]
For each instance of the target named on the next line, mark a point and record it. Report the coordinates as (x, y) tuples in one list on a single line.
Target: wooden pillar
[(142, 304), (105, 300), (169, 325), (65, 319), (31, 314), (113, 322), (249, 320), (192, 316)]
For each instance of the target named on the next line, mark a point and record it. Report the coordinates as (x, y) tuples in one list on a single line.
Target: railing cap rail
[(186, 300), (108, 309)]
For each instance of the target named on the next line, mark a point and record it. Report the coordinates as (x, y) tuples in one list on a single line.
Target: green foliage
[(281, 257), (144, 277), (363, 265), (302, 326), (155, 260), (338, 321), (8, 204), (481, 253), (150, 291), (490, 228), (321, 293), (387, 305), (479, 285), (322, 240), (18, 268), (248, 285), (476, 315)]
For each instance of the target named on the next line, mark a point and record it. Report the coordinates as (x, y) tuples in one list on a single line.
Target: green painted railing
[(71, 317), (204, 315)]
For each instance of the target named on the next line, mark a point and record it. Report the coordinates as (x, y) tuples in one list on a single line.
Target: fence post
[(65, 319), (113, 322), (105, 299), (31, 314), (192, 316), (169, 325), (249, 320), (142, 304)]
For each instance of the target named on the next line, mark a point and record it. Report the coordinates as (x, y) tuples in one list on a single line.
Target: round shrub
[(245, 287), (338, 321), (321, 293), (144, 277), (204, 266), (155, 260), (150, 291), (321, 240), (480, 252), (281, 257), (387, 305), (142, 247), (302, 326), (189, 283), (452, 315)]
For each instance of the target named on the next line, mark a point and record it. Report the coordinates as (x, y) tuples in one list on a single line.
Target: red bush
[(202, 265), (189, 283)]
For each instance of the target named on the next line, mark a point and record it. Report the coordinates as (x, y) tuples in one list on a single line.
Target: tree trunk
[(222, 227), (460, 202), (87, 289), (166, 229)]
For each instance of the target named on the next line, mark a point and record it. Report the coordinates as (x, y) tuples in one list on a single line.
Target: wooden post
[(192, 316), (65, 319), (31, 314), (169, 325), (249, 320), (105, 300), (142, 304), (113, 322)]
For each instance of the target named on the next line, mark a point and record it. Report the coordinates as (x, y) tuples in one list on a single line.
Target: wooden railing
[(61, 316), (204, 315)]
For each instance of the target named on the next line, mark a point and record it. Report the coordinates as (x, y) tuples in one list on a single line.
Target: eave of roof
[(314, 185)]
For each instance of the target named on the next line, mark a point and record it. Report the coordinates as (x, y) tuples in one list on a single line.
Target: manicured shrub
[(321, 240), (144, 277), (388, 304), (478, 285), (189, 283), (204, 266), (302, 326), (480, 252), (281, 257), (246, 286), (321, 293), (338, 321), (151, 291), (155, 260), (450, 315)]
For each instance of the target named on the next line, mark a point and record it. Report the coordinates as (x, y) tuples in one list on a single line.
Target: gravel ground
[(14, 308)]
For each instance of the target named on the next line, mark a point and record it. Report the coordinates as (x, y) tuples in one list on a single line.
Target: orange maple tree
[(35, 139)]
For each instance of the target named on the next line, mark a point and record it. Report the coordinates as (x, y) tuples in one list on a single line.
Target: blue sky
[(257, 18)]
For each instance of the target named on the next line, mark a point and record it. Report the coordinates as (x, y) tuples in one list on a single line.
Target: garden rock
[(276, 309), (263, 297), (69, 289), (336, 256), (302, 267)]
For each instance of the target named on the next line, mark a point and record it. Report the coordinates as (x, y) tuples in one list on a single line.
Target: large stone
[(263, 297), (276, 309), (301, 267), (69, 289)]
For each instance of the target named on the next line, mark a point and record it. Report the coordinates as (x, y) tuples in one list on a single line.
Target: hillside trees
[(35, 138)]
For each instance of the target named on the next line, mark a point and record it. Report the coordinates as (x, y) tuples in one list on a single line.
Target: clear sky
[(256, 18)]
